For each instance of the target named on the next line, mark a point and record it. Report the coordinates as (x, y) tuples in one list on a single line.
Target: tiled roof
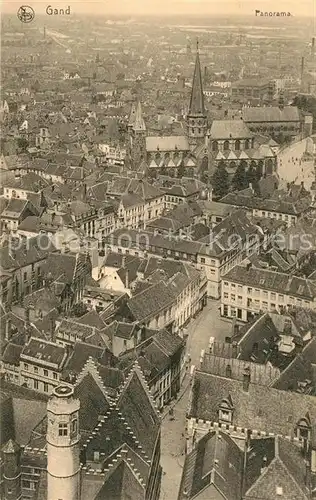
[(299, 370), (260, 408), (150, 302)]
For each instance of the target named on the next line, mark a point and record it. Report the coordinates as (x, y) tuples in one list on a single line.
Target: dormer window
[(303, 428), (225, 413)]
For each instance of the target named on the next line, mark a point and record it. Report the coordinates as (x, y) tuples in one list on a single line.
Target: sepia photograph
[(158, 250)]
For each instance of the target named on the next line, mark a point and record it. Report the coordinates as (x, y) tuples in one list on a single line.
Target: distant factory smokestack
[(302, 71)]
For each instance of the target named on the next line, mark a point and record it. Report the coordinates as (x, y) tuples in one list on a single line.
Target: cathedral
[(173, 155)]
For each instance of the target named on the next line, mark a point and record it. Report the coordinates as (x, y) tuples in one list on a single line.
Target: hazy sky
[(243, 7)]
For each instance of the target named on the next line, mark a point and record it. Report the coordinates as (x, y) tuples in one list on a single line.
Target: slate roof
[(27, 253), (196, 106), (215, 461), (229, 129), (270, 280), (44, 351), (271, 114), (167, 143)]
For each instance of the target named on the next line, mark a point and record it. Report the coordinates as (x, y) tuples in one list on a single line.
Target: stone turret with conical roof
[(11, 454), (196, 117)]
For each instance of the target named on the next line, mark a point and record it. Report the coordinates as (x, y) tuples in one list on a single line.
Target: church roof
[(197, 97), (229, 129), (271, 114), (139, 123)]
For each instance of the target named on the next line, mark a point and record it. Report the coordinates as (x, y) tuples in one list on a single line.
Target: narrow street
[(207, 324)]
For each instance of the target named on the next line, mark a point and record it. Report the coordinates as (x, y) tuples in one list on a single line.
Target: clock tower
[(63, 462), (196, 117)]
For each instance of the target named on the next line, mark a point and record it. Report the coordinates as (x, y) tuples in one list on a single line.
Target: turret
[(63, 453), (12, 471)]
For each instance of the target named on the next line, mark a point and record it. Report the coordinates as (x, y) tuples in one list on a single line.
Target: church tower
[(196, 117), (137, 135), (12, 471), (63, 453)]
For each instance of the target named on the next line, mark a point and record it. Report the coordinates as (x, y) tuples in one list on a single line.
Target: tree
[(78, 309), (220, 181), (251, 175), (22, 144), (239, 181), (181, 170)]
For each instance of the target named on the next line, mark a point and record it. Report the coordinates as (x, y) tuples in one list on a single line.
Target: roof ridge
[(137, 369)]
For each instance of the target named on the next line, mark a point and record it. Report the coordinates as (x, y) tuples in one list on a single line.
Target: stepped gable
[(93, 401), (137, 406)]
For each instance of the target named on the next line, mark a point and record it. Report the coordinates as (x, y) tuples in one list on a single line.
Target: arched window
[(214, 146), (246, 144), (237, 145), (226, 146)]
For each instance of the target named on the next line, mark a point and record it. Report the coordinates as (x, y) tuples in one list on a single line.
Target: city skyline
[(306, 8)]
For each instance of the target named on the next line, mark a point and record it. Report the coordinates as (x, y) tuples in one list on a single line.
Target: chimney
[(8, 329), (308, 478), (246, 379), (52, 329), (127, 279), (234, 350), (27, 315), (302, 70)]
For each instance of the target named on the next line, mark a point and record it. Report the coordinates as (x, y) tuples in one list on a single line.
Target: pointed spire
[(197, 97), (139, 124), (132, 115)]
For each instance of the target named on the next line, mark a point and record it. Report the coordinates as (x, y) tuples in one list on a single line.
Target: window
[(225, 295), (45, 387), (26, 366), (74, 426), (35, 384), (54, 375), (202, 260), (233, 296), (45, 373), (63, 429), (35, 369), (28, 485), (249, 290)]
